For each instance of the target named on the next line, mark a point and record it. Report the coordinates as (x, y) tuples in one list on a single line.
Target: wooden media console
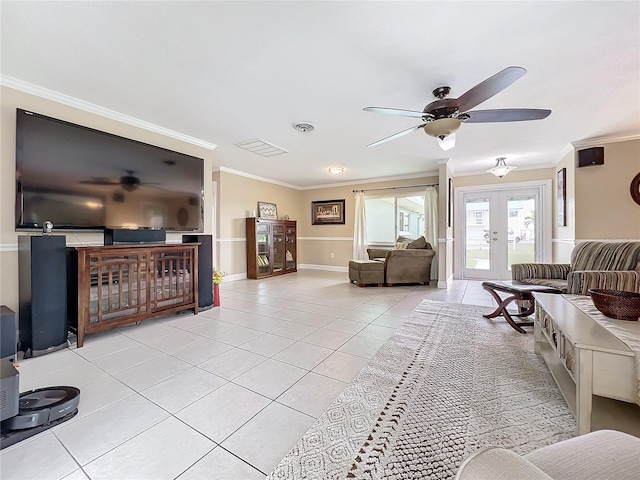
[(122, 284)]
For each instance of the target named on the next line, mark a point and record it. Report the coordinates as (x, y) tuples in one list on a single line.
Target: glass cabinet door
[(263, 234), (290, 253), (278, 248)]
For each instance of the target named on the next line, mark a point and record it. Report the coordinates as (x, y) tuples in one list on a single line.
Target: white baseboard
[(328, 268), (447, 283), (235, 277)]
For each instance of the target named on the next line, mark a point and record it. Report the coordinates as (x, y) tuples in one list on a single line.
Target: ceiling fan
[(129, 182), (442, 117)]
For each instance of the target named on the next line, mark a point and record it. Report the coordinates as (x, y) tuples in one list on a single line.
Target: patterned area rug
[(445, 384)]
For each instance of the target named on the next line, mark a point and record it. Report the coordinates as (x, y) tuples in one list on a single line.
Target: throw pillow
[(401, 245), (419, 243)]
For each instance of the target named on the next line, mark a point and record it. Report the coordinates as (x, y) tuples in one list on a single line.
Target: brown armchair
[(409, 265)]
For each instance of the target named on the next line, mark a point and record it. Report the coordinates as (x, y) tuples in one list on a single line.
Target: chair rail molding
[(333, 239)]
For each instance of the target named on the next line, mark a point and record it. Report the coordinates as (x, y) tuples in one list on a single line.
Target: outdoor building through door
[(500, 229)]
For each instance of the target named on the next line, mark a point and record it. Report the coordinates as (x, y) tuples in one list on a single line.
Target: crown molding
[(373, 180), (42, 92), (600, 141), (253, 177), (329, 185)]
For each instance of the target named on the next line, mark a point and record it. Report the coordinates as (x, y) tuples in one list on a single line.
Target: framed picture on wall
[(327, 212), (561, 200), (267, 210)]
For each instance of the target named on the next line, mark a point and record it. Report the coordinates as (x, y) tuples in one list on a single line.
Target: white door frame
[(545, 220)]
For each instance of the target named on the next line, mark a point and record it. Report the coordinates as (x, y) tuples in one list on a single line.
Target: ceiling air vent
[(261, 147), (304, 127)]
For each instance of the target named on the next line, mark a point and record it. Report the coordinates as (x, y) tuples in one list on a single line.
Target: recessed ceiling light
[(303, 126), (336, 169)]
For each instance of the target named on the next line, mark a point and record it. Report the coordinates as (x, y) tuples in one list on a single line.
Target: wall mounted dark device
[(119, 236), (591, 156), (81, 178)]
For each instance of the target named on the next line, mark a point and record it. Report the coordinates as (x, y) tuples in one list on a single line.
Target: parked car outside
[(511, 236)]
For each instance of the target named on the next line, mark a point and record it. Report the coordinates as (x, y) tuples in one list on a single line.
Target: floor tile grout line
[(361, 301)]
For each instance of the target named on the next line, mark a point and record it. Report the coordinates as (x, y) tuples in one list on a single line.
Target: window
[(394, 216), (403, 223)]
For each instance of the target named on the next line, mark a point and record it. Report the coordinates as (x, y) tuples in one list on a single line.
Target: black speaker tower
[(205, 268), (8, 330), (42, 283)]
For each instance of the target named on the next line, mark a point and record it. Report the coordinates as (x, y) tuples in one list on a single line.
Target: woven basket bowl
[(617, 303)]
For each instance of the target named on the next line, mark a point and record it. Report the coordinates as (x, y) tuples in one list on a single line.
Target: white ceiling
[(226, 72)]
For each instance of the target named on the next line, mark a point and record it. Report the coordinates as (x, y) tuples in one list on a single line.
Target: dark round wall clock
[(635, 189)]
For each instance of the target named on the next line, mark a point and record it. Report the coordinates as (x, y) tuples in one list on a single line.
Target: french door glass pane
[(478, 233), (521, 229)]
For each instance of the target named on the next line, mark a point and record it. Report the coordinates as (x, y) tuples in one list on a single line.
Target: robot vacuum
[(42, 406), (29, 413)]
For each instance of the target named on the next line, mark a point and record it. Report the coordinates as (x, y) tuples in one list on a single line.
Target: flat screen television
[(84, 179)]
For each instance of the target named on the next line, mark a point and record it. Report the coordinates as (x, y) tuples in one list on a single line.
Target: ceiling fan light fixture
[(336, 170), (447, 142), (442, 127), (501, 168)]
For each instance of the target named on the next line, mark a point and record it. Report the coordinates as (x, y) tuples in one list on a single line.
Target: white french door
[(498, 228)]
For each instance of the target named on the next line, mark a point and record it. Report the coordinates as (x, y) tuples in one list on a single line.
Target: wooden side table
[(516, 291)]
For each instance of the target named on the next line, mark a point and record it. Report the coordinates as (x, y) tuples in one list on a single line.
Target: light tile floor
[(221, 395)]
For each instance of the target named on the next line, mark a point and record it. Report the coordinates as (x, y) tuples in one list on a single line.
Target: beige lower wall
[(318, 252), (232, 257)]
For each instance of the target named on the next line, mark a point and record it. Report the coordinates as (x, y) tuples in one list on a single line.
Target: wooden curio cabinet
[(271, 247)]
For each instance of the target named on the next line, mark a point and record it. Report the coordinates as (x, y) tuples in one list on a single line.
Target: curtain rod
[(396, 188)]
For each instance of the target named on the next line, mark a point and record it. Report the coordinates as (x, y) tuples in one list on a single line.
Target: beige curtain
[(360, 230), (431, 225)]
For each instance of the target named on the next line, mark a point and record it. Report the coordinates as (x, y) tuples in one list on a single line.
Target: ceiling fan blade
[(397, 111), (506, 115), (396, 135), (491, 86)]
